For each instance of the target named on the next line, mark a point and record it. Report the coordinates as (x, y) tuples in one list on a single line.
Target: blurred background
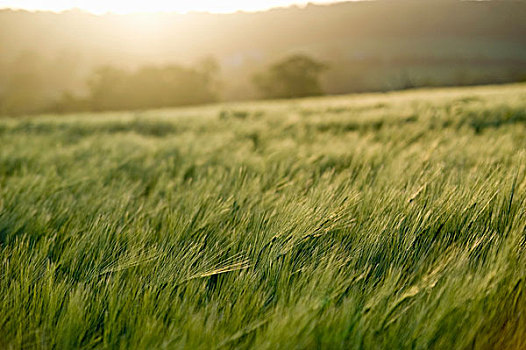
[(82, 61)]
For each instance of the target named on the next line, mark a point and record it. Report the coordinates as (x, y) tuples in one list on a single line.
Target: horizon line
[(299, 5)]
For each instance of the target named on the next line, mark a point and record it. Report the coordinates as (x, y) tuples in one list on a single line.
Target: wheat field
[(393, 221)]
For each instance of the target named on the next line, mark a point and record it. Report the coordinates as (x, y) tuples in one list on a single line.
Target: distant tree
[(152, 87), (294, 76), (107, 88), (210, 68)]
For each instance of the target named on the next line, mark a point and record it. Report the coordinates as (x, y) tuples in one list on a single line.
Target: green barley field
[(379, 221)]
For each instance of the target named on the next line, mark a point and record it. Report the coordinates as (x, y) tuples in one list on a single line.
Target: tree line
[(112, 88)]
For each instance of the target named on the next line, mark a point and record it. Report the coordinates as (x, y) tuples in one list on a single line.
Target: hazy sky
[(133, 6)]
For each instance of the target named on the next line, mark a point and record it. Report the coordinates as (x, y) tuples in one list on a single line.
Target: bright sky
[(135, 6)]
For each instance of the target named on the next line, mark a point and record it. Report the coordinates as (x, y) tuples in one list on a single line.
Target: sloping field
[(390, 221)]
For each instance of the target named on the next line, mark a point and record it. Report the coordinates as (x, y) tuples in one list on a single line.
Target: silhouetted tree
[(295, 76)]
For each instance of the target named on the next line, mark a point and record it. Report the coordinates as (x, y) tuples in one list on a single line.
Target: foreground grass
[(373, 221)]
